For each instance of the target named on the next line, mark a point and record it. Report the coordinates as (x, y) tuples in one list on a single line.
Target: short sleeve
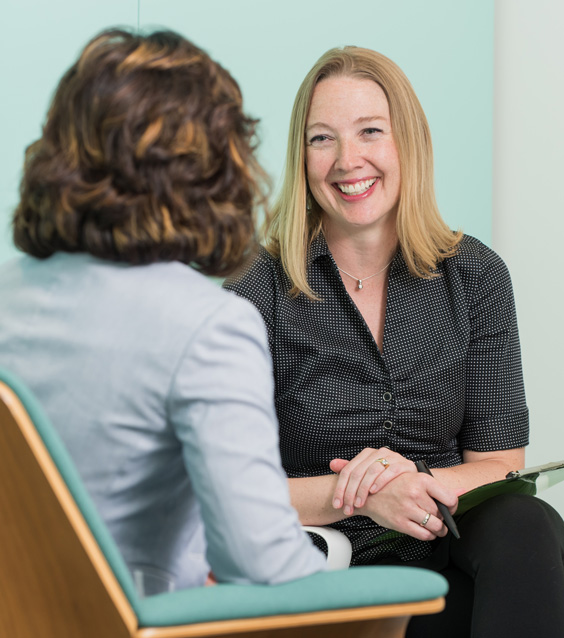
[(496, 415), (221, 407)]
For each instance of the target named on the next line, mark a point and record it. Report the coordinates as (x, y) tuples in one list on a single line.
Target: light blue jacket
[(160, 384)]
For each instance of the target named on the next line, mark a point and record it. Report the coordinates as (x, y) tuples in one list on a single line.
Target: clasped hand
[(386, 486)]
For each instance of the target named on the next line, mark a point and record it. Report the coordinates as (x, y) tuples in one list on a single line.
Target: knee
[(520, 518), (509, 532), (513, 508)]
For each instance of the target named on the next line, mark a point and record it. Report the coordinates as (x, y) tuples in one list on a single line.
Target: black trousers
[(506, 573)]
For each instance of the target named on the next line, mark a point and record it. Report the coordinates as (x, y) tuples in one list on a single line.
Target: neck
[(362, 253)]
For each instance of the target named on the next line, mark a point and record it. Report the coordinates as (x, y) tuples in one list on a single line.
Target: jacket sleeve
[(221, 406)]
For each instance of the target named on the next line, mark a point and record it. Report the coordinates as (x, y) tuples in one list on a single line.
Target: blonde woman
[(395, 339)]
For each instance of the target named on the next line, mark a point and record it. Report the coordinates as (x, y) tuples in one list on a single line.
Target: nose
[(349, 155)]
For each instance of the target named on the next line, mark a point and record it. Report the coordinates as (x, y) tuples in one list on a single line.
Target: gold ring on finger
[(425, 520), (384, 462)]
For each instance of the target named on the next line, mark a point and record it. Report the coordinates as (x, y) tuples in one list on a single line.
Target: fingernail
[(348, 510), (337, 503), (358, 502)]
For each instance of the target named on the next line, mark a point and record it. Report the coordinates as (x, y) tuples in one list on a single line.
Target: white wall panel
[(528, 220)]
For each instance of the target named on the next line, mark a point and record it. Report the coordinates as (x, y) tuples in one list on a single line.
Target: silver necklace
[(360, 286)]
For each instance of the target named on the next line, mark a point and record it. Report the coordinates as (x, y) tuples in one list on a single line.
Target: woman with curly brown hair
[(158, 381)]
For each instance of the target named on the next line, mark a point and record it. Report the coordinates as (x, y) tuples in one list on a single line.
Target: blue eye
[(318, 139), (372, 131)]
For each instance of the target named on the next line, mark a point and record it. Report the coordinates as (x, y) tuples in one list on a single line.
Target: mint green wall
[(40, 40), (445, 47)]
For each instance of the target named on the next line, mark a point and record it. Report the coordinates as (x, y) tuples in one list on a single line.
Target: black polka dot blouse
[(449, 380)]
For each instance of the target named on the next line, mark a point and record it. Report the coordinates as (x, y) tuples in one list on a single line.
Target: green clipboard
[(527, 481)]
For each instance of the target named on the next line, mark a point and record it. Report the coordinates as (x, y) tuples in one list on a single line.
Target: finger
[(361, 477), (373, 473), (375, 466), (433, 523), (362, 472), (337, 465), (344, 478), (393, 471), (427, 528), (443, 494), (416, 523)]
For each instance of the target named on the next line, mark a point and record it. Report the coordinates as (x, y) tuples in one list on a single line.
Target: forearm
[(479, 468), (312, 497), (400, 505)]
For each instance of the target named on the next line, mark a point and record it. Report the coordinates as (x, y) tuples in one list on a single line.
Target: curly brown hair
[(146, 155)]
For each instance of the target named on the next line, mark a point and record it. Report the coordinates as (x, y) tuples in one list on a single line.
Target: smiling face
[(352, 164)]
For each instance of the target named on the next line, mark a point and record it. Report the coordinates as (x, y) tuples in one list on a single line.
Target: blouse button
[(388, 425), (387, 396)]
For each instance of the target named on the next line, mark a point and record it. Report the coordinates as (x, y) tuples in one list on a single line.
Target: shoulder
[(472, 254), (478, 275), (263, 282), (191, 300), (180, 313), (476, 264), (263, 269), (12, 269)]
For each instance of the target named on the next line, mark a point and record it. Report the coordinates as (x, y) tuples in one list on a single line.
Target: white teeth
[(358, 188)]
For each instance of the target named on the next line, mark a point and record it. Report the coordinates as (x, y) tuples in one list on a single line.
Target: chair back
[(61, 574)]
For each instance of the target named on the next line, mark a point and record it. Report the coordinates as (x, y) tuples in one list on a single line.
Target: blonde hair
[(424, 237)]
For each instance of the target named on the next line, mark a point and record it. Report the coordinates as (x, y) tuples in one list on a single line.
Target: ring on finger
[(425, 520), (384, 462)]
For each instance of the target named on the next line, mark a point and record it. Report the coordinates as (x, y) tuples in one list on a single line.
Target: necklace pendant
[(360, 284)]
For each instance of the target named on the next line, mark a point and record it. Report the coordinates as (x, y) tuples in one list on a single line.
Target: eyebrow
[(360, 120), (369, 118)]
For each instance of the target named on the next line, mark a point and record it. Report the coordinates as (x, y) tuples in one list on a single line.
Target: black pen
[(443, 509)]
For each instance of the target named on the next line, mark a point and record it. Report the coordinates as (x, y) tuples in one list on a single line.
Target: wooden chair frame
[(55, 582)]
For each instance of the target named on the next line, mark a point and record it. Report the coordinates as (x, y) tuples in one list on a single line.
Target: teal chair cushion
[(356, 587)]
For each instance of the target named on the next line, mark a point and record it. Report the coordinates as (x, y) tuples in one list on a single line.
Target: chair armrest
[(339, 550)]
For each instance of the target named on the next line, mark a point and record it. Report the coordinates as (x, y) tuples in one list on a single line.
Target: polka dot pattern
[(450, 377)]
